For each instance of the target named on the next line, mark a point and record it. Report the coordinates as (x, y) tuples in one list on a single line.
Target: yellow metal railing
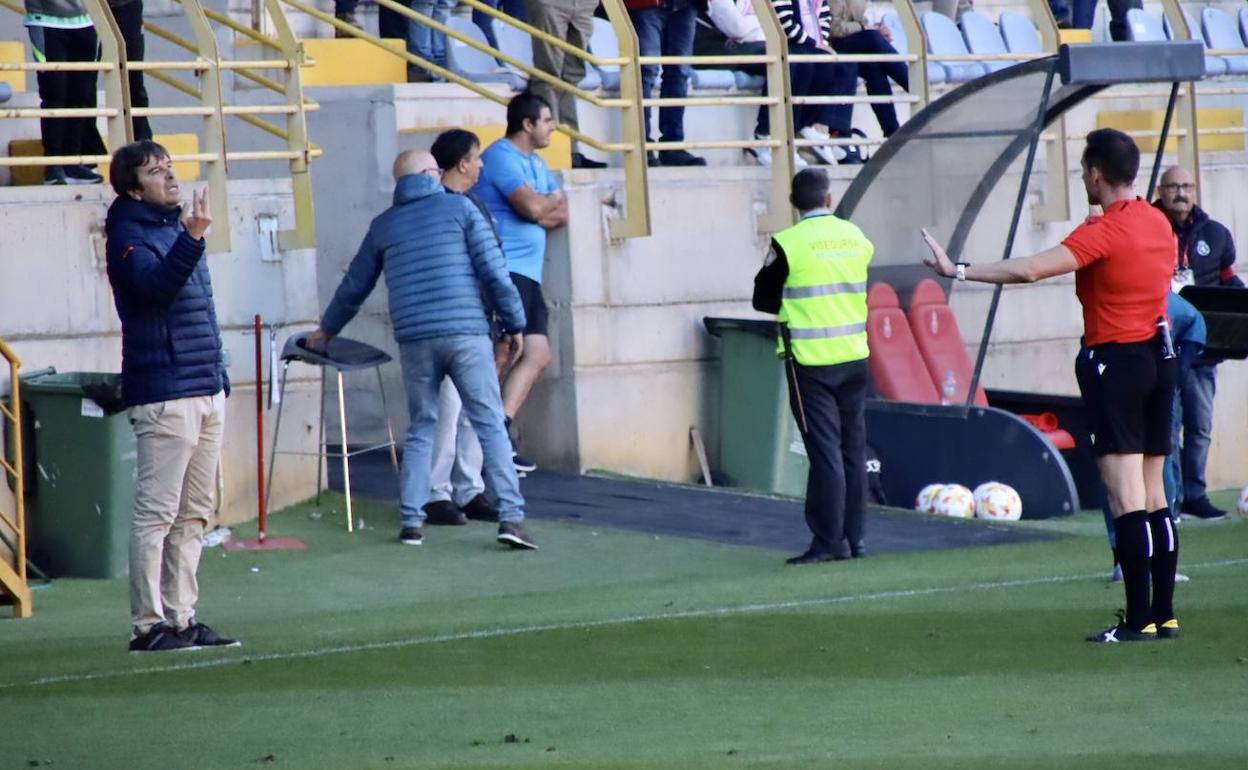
[(206, 66), (13, 578)]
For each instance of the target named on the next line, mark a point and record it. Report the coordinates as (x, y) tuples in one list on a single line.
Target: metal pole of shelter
[(1161, 142)]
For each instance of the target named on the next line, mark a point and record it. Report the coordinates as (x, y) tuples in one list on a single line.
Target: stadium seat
[(1144, 27), (935, 72), (712, 80), (515, 44), (943, 37), (6, 92), (983, 37), (940, 342), (1214, 65), (1019, 34), (603, 43), (475, 65), (897, 368), (1243, 25), (1219, 32), (943, 349)]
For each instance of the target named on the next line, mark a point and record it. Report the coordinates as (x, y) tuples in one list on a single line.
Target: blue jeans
[(469, 361), (823, 79), (666, 31), (1196, 389), (423, 41), (513, 8), (876, 74)]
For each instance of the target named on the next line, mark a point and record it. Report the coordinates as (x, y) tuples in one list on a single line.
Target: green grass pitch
[(613, 650)]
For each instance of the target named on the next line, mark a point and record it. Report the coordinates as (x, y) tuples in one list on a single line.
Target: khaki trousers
[(573, 22), (179, 444)]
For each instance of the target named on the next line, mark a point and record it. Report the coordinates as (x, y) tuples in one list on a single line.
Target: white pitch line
[(494, 633)]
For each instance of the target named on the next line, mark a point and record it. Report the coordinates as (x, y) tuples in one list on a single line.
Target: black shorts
[(1128, 389), (534, 304)]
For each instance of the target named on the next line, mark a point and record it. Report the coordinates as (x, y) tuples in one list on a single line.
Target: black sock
[(1134, 549), (1165, 563), (1114, 551)]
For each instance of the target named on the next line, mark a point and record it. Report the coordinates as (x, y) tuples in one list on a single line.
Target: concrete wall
[(56, 310)]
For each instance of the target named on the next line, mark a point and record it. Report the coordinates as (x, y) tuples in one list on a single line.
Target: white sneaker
[(761, 155), (1179, 577), (826, 154), (799, 162)]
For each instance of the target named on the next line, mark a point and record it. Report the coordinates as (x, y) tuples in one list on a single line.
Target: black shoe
[(680, 158), (204, 636), (479, 509), (523, 465), (652, 159), (54, 175), (411, 536), (814, 557), (1201, 508), (1121, 632), (513, 534), (161, 637), (82, 175), (348, 17), (1168, 629), (580, 161), (444, 513), (858, 550)]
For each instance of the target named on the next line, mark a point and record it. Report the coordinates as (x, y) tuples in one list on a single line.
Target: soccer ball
[(1242, 505), (926, 501), (998, 502), (955, 501)]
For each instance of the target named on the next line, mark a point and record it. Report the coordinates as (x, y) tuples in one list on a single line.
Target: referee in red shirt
[(1123, 261)]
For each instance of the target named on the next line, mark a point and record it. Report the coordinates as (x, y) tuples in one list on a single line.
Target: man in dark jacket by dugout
[(1206, 258), (173, 380)]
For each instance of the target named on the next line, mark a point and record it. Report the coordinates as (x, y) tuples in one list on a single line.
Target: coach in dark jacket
[(174, 381), (1206, 258)]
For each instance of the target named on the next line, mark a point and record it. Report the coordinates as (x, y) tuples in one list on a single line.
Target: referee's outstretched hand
[(940, 261)]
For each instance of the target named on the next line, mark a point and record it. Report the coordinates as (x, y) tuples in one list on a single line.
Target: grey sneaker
[(161, 637), (514, 535), (204, 636)]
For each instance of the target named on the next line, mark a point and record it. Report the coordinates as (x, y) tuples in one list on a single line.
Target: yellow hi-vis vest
[(825, 296)]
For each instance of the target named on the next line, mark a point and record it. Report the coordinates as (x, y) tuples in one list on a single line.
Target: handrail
[(14, 579), (545, 37)]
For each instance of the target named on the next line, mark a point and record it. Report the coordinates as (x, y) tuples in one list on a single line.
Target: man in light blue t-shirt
[(526, 201)]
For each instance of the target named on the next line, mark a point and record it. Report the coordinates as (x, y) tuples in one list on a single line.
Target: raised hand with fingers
[(200, 215), (940, 261)]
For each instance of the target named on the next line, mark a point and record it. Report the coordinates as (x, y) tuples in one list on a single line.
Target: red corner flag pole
[(263, 542)]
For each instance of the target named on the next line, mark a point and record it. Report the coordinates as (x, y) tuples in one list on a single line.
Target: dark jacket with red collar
[(170, 341), (1207, 249)]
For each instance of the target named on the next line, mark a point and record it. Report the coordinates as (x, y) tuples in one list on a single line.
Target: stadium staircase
[(13, 585)]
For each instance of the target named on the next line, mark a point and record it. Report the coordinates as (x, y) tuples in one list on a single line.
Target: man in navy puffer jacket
[(439, 254), (174, 381)]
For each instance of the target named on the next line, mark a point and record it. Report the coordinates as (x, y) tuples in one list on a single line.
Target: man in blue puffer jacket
[(174, 381), (438, 254)]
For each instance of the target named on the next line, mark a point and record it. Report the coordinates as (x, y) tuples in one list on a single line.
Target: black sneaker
[(479, 509), (161, 637), (82, 175), (54, 175), (204, 636), (652, 159), (1168, 629), (580, 161), (1121, 632), (513, 534), (411, 536), (523, 465), (680, 158), (444, 513), (1201, 508)]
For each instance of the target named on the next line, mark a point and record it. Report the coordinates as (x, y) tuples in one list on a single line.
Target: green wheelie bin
[(760, 446), (81, 475)]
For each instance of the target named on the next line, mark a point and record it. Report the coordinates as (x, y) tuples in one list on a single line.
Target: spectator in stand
[(513, 8), (665, 28), (1206, 257), (429, 43), (571, 21), (61, 31), (129, 17), (737, 20), (526, 202), (851, 34)]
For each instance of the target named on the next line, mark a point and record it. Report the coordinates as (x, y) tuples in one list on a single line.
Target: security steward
[(815, 279), (1123, 261)]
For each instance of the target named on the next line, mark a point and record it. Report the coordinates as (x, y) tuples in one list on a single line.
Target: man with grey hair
[(1206, 258), (439, 253)]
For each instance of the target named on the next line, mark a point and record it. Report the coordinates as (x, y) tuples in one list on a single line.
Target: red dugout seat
[(897, 368)]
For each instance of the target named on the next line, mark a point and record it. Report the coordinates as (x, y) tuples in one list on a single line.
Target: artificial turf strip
[(930, 673)]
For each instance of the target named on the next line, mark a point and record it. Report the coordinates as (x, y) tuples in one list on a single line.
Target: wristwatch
[(961, 270)]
